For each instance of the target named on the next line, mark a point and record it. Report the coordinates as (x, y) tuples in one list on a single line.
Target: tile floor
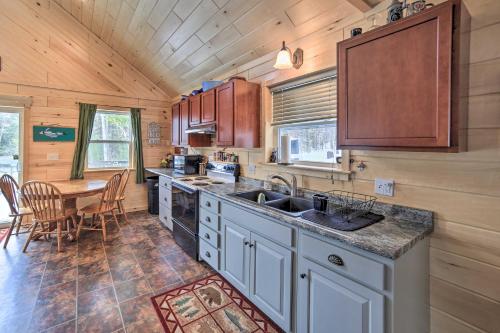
[(93, 286)]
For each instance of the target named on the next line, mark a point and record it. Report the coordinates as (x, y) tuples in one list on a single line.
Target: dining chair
[(106, 205), (10, 190), (47, 204), (121, 194)]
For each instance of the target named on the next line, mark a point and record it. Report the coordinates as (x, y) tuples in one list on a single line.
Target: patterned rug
[(3, 233), (209, 305)]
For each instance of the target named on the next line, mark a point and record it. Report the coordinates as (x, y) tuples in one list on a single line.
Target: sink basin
[(291, 205), (253, 195)]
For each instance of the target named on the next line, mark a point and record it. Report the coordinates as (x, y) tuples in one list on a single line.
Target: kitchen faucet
[(291, 187)]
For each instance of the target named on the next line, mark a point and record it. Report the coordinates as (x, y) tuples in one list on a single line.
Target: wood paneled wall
[(50, 56), (462, 189)]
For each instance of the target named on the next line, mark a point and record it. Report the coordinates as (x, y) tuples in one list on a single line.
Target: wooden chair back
[(110, 192), (10, 190), (44, 199), (123, 183)]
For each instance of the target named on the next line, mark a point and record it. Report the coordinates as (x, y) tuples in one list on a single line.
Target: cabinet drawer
[(337, 259), (165, 197), (209, 219), (165, 216), (209, 254), (261, 225), (165, 182), (209, 236), (209, 203)]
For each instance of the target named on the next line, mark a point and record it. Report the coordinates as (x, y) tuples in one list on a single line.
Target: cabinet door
[(208, 106), (236, 256), (176, 119), (194, 110), (401, 98), (184, 123), (271, 279), (329, 303), (225, 114)]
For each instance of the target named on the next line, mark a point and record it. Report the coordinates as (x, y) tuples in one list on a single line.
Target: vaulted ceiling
[(178, 43)]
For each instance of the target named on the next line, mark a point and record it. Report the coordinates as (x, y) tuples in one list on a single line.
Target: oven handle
[(183, 188)]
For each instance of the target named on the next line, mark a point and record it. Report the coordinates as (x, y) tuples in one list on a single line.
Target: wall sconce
[(285, 59)]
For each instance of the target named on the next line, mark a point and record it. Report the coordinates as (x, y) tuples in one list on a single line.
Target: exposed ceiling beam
[(362, 5)]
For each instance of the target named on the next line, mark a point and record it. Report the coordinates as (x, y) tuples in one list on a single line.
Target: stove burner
[(186, 179), (201, 178), (216, 182), (200, 184)]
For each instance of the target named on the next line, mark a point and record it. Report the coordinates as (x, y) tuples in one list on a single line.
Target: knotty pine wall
[(462, 189), (50, 56)]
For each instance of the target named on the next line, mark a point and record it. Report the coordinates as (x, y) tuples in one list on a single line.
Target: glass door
[(10, 151)]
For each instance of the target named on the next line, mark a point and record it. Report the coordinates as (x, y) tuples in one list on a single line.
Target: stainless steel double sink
[(292, 206)]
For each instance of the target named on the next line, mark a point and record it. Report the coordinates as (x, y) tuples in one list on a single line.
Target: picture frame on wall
[(53, 134)]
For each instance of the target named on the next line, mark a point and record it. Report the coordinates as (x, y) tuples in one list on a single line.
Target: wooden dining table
[(71, 190)]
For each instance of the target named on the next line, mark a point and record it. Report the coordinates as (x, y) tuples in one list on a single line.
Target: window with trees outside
[(111, 141), (306, 111)]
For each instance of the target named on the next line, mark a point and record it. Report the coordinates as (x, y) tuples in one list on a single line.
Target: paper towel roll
[(285, 147)]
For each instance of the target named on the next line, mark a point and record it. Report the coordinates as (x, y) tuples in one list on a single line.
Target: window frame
[(131, 153), (304, 124)]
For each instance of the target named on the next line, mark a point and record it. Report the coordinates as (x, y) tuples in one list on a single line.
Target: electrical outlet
[(384, 187), (52, 156)]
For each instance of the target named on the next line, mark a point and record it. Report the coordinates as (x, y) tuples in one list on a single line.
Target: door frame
[(21, 111)]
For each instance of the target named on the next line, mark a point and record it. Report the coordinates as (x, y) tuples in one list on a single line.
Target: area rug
[(209, 305), (3, 233)]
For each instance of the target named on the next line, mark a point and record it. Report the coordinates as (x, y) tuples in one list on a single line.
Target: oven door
[(185, 207)]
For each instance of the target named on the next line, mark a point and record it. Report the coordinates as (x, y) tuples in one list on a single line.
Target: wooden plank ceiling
[(179, 43)]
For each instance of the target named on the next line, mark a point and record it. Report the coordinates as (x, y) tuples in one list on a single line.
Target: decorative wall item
[(395, 11), (49, 133), (356, 31), (416, 7), (154, 133)]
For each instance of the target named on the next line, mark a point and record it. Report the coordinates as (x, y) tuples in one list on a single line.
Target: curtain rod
[(114, 106)]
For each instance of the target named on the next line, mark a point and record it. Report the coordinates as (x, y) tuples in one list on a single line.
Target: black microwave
[(187, 164)]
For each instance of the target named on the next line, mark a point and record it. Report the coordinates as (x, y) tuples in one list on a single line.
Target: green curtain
[(85, 125), (136, 131)]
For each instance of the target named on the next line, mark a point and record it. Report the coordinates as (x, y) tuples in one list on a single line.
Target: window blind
[(310, 100)]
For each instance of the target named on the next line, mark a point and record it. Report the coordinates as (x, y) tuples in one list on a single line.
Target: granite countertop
[(400, 230), (164, 172), (402, 227)]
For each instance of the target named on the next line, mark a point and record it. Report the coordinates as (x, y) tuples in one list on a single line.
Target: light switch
[(384, 187), (52, 156)]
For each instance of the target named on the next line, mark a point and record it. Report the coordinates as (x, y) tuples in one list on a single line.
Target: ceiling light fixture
[(285, 59)]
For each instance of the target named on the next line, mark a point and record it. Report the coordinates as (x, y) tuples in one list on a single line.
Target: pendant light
[(285, 59)]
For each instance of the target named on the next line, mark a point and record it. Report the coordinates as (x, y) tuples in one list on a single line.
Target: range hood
[(202, 129)]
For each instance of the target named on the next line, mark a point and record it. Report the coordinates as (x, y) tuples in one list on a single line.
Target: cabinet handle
[(336, 260), (207, 219), (303, 275), (207, 204), (207, 236), (246, 243), (207, 254), (166, 184), (165, 199), (251, 245)]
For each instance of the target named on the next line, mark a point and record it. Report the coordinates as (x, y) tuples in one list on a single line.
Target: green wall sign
[(47, 133)]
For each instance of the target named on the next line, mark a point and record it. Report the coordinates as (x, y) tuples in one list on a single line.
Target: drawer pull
[(303, 275), (251, 245), (207, 219), (207, 236), (246, 243), (165, 199), (166, 184), (207, 254), (336, 260), (207, 204)]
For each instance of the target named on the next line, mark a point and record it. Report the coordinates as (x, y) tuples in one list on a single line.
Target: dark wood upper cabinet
[(398, 85), (184, 123), (208, 106), (238, 114), (194, 110), (176, 125)]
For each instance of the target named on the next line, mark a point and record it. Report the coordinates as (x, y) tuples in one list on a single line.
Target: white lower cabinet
[(260, 269), (330, 303)]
